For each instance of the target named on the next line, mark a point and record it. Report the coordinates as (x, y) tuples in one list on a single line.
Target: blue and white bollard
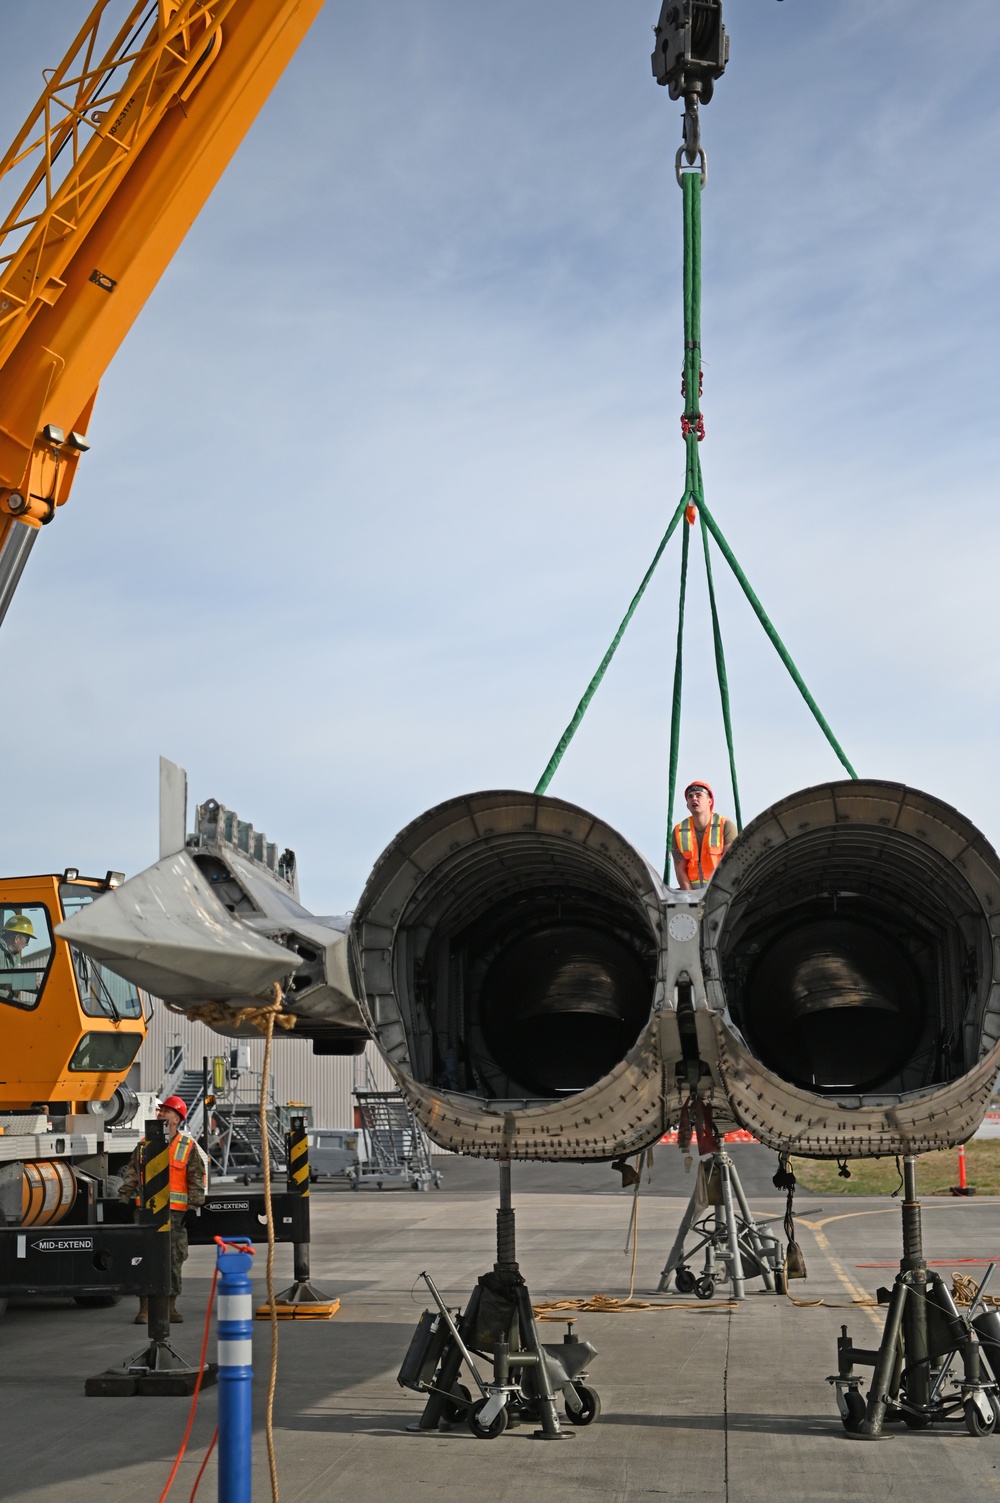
[(235, 1311)]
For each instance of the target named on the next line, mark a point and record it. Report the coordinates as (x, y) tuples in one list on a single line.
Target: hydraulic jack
[(925, 1334), (498, 1323)]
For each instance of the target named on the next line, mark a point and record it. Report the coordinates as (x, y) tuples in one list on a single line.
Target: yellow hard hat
[(20, 924)]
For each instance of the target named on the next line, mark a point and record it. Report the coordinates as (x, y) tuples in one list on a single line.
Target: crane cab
[(69, 1027)]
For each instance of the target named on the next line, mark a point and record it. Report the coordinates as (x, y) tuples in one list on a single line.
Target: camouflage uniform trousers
[(130, 1191), (178, 1250)]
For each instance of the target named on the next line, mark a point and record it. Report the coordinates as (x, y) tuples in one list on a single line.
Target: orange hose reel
[(48, 1192)]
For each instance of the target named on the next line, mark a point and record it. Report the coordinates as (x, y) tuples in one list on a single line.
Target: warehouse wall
[(323, 1082)]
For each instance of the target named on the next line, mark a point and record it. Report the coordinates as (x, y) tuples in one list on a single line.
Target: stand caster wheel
[(856, 1407), (705, 1287), (591, 1402), (684, 1281), (456, 1409), (490, 1432), (975, 1421), (522, 1412), (916, 1421)]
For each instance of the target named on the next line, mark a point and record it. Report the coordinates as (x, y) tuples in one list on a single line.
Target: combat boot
[(142, 1318), (175, 1315)]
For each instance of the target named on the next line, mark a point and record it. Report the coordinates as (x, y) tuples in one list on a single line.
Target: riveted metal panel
[(505, 813), (868, 803)]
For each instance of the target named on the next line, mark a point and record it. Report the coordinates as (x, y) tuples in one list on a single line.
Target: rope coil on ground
[(964, 1290), (608, 1304)]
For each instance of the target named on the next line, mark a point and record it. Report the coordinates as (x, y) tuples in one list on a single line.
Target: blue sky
[(379, 467)]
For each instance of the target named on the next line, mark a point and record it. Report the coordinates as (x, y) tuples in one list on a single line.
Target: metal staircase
[(189, 1089), (396, 1149), (187, 1084), (235, 1147)]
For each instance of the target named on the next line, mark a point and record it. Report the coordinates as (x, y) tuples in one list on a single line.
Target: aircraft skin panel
[(539, 993)]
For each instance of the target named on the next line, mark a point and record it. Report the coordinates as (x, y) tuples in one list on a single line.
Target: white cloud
[(381, 463)]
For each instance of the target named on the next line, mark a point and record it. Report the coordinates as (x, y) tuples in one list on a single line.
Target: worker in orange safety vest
[(699, 840), (187, 1190)]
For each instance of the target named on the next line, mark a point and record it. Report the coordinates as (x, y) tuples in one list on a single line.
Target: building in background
[(324, 1082)]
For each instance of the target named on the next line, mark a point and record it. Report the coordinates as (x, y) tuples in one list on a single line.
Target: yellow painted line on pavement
[(882, 1211), (845, 1216), (854, 1290), (856, 1293)]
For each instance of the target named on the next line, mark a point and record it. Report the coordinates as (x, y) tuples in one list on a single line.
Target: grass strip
[(936, 1172)]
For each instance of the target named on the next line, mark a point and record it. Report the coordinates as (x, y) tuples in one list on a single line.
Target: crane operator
[(15, 936)]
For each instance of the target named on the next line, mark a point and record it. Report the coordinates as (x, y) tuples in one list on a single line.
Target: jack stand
[(156, 1369), (924, 1334), (301, 1300), (736, 1246), (499, 1324)]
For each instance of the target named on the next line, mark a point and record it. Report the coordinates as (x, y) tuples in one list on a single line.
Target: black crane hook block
[(692, 48)]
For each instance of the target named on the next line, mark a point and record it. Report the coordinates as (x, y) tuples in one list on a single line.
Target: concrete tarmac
[(707, 1403), (668, 1175)]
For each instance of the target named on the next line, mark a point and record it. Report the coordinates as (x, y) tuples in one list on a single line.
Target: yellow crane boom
[(130, 135)]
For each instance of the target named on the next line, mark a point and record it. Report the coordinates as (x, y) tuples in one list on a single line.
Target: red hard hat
[(700, 783), (176, 1105)]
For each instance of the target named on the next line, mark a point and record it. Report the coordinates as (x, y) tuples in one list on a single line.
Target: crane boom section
[(128, 139)]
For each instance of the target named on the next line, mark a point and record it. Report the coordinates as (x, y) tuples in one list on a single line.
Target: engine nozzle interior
[(560, 1005), (524, 950), (834, 1003), (851, 935)]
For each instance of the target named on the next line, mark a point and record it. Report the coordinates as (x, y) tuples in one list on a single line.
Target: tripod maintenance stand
[(736, 1246), (498, 1324), (924, 1334)]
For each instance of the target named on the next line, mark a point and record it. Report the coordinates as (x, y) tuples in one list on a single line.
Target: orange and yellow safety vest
[(700, 864), (180, 1152)]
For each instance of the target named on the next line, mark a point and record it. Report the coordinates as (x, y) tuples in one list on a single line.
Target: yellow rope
[(811, 1304), (271, 1017), (964, 1290), (264, 1017), (634, 1226), (607, 1304), (219, 1014), (800, 1304)]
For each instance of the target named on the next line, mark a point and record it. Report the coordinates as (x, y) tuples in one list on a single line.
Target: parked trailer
[(334, 1152)]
